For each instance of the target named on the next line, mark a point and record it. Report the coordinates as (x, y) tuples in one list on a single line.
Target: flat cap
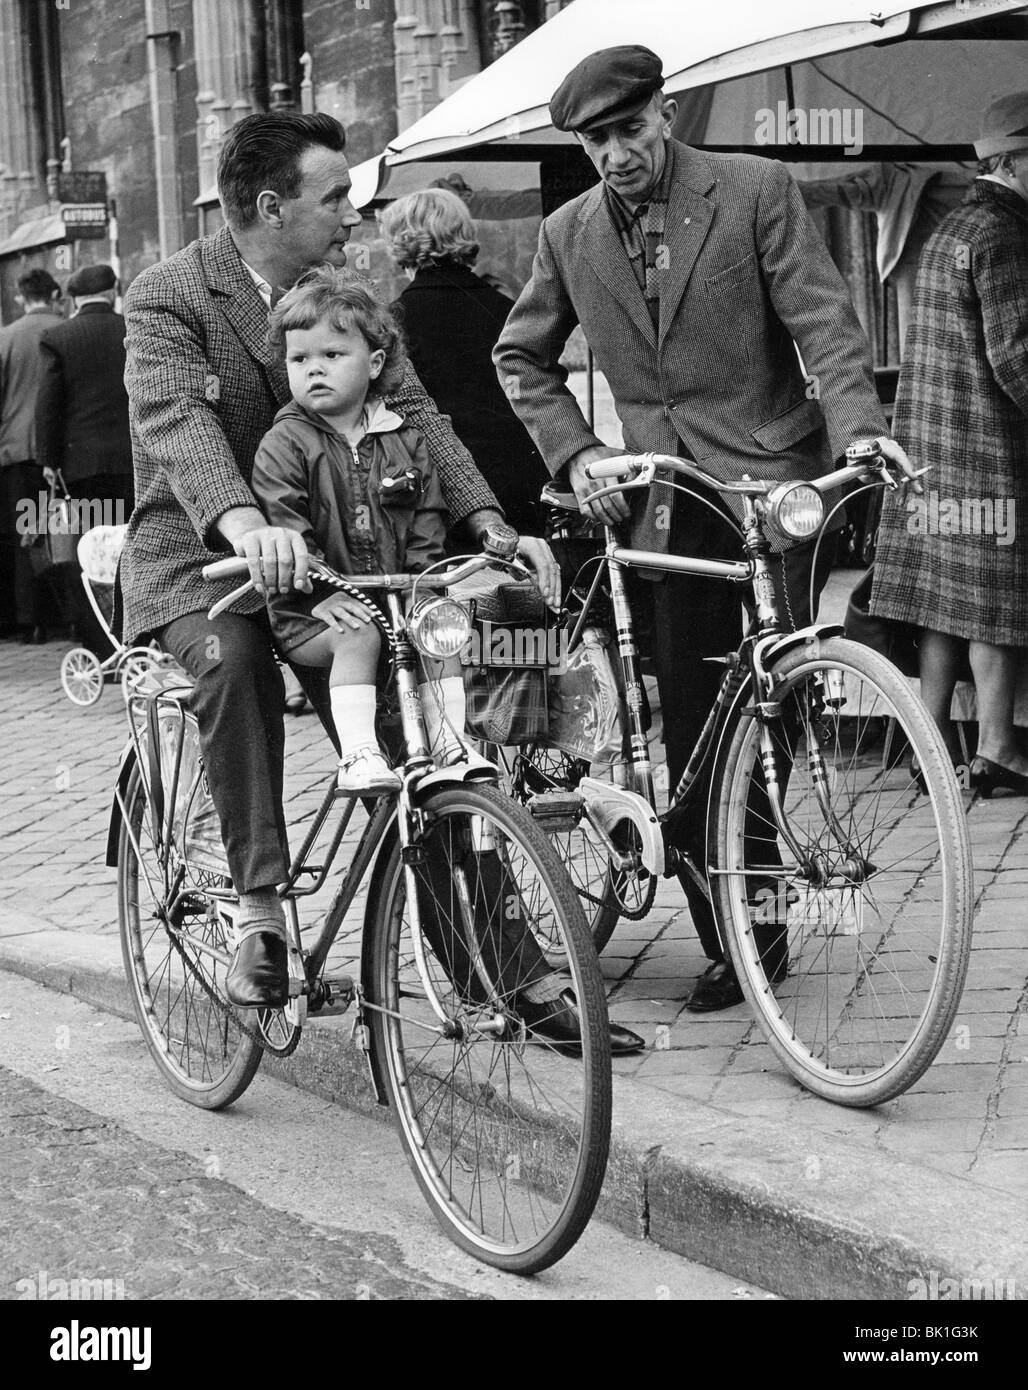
[(91, 279), (606, 86), (1004, 126)]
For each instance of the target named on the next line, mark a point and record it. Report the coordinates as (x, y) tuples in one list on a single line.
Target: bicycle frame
[(308, 987), (746, 667)]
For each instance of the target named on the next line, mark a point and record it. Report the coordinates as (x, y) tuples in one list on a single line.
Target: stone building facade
[(144, 91)]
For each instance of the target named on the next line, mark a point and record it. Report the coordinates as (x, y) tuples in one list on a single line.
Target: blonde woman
[(451, 320)]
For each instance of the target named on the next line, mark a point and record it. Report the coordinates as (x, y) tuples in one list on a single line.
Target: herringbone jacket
[(203, 388), (747, 275)]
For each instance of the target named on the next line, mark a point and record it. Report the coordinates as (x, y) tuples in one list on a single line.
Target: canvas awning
[(918, 72), (39, 231)]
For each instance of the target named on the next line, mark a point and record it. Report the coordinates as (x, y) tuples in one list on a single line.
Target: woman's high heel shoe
[(986, 776)]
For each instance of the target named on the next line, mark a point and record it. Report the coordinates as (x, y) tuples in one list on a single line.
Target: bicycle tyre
[(512, 1156), (877, 940), (199, 1048)]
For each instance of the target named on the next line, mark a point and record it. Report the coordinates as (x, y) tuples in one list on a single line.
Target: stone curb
[(722, 1188)]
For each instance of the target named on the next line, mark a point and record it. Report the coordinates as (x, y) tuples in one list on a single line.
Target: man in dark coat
[(451, 319), (26, 600), (695, 278), (82, 428)]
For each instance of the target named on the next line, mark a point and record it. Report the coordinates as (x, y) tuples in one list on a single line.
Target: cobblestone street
[(968, 1115)]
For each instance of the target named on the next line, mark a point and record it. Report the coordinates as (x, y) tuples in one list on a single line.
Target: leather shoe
[(258, 977), (36, 636), (718, 988), (557, 1020)]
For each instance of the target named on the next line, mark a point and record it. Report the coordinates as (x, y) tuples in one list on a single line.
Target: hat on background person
[(606, 86), (91, 279), (1004, 128)]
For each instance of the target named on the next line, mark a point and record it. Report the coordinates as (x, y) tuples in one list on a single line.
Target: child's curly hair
[(342, 297)]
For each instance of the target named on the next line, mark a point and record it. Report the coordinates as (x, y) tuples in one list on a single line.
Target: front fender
[(801, 637), (126, 766), (376, 888)]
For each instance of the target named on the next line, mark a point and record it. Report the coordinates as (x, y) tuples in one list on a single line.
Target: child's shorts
[(292, 622)]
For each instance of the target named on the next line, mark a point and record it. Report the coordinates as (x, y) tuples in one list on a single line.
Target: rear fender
[(375, 892), (126, 767)]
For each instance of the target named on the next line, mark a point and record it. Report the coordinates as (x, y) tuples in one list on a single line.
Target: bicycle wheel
[(176, 954), (507, 1133), (851, 943)]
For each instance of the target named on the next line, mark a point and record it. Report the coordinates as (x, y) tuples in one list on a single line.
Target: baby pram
[(83, 673)]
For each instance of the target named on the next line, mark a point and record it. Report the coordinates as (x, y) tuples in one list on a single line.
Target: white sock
[(446, 725), (353, 714)]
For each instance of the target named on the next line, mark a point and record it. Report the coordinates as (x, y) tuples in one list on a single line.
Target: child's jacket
[(378, 507)]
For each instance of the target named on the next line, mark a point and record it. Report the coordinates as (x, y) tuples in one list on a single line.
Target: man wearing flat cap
[(696, 278), (962, 406), (82, 427)]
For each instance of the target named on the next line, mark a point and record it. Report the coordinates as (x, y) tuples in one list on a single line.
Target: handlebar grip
[(226, 569), (623, 467)]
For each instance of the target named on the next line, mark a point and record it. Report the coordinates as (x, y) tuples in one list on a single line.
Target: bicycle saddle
[(554, 496)]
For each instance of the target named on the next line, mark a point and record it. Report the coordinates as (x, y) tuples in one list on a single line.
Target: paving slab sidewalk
[(717, 1153)]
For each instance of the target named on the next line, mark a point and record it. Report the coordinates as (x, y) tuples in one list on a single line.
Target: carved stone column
[(509, 26), (20, 186), (404, 51), (426, 56), (458, 42), (223, 78)]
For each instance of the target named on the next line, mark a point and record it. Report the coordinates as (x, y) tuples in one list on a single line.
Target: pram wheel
[(134, 665), (82, 676)]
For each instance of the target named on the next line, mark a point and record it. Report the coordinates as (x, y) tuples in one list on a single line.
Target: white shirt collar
[(263, 288)]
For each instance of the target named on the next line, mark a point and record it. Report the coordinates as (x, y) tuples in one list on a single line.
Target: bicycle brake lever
[(644, 477)]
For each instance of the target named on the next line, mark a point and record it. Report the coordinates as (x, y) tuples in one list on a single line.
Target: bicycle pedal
[(556, 810), (336, 994)]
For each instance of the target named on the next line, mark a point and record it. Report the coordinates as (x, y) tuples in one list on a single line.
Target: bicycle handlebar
[(638, 470), (236, 565)]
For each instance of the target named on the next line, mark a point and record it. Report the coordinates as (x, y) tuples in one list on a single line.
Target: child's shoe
[(366, 771)]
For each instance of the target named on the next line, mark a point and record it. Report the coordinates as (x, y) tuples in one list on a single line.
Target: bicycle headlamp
[(439, 626), (797, 509)]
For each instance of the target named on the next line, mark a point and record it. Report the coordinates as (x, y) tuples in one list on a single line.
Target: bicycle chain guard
[(608, 806)]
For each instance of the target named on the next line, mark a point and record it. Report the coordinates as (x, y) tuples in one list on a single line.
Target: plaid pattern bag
[(505, 667)]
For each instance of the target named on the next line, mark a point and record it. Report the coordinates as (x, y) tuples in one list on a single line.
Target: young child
[(357, 483)]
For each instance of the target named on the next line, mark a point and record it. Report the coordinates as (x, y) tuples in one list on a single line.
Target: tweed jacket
[(957, 560), (204, 387), (747, 281), (19, 381), (81, 407)]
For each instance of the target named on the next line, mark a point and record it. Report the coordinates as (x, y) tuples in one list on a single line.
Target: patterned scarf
[(642, 234)]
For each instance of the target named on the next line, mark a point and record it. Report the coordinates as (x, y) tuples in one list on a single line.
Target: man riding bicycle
[(204, 387)]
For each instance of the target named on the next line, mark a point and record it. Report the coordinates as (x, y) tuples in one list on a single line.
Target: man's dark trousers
[(238, 700), (696, 617), (238, 697)]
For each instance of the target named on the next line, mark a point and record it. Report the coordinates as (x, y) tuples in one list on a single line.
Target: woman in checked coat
[(955, 562)]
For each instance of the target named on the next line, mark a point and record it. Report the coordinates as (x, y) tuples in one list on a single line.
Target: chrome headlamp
[(439, 626), (797, 509)]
